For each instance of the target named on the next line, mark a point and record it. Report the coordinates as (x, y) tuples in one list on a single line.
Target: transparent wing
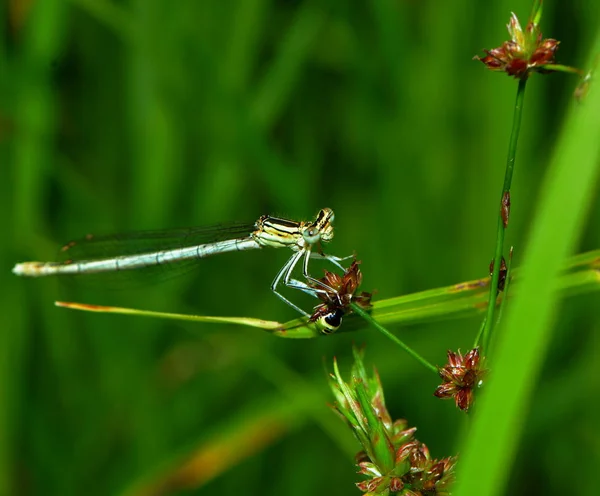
[(92, 247)]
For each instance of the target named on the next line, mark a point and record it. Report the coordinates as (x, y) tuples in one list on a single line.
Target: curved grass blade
[(303, 331), (581, 275)]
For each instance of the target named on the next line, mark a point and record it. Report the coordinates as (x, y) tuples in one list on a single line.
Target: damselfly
[(94, 255)]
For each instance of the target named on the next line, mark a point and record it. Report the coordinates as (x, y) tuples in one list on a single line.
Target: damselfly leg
[(285, 276)]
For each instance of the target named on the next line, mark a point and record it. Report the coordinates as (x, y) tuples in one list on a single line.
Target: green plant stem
[(358, 310), (479, 334), (506, 286), (510, 166)]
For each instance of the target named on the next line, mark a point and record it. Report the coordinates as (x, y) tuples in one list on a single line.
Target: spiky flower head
[(393, 461), (461, 375), (526, 52), (336, 294)]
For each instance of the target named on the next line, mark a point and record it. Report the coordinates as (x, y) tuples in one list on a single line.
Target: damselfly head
[(321, 229)]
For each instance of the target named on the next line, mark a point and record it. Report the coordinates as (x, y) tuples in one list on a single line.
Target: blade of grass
[(263, 324), (456, 301)]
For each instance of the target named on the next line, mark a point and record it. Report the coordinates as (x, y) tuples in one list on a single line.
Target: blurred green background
[(145, 114)]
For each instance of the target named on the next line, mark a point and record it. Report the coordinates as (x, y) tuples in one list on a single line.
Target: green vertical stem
[(510, 167)]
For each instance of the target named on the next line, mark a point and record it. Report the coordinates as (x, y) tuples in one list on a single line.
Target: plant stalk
[(510, 166), (357, 309)]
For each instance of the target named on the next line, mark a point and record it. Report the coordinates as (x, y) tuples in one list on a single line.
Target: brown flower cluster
[(526, 52), (336, 294), (420, 474), (461, 376)]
